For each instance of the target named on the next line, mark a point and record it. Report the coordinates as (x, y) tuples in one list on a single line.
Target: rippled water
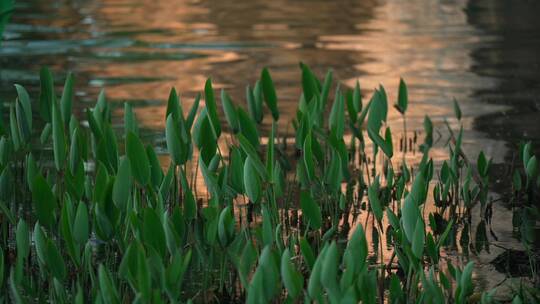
[(483, 53)]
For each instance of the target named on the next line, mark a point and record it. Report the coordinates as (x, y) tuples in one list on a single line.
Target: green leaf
[(292, 279), (330, 267), (403, 98), (173, 105), (130, 121), (175, 145), (307, 253), (248, 128), (267, 228), (457, 110), (153, 233), (192, 112), (67, 99), (59, 138), (140, 166), (334, 173), (248, 148), (325, 90), (204, 137), (24, 99), (122, 184), (6, 8), (373, 195), (337, 115), (44, 201), (310, 210), (226, 226), (211, 107), (40, 243), (409, 216), (81, 230), (310, 84), (47, 96), (55, 262), (532, 167), (377, 112), (22, 240), (106, 286), (269, 93), (418, 240), (252, 181), (357, 98), (308, 157), (156, 173), (230, 112)]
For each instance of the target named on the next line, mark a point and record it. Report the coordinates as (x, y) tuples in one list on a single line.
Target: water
[(483, 53)]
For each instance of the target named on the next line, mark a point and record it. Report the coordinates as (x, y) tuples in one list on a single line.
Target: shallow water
[(483, 53)]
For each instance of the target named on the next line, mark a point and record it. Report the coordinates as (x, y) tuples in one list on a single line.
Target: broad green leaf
[(403, 97), (46, 96), (122, 184), (59, 138), (252, 181), (192, 112), (457, 110), (310, 210), (308, 157), (156, 173), (248, 128), (175, 145), (307, 253), (269, 93), (22, 240), (106, 286), (326, 87), (310, 84), (24, 99), (226, 226), (357, 98), (140, 166), (44, 201), (173, 105), (334, 172), (337, 115), (204, 137), (292, 279), (55, 262), (211, 107), (418, 240), (153, 233), (409, 216), (81, 230), (532, 167), (254, 107), (230, 111), (375, 203), (130, 121), (66, 101), (330, 267)]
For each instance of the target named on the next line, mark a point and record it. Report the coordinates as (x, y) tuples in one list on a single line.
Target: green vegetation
[(6, 8), (88, 214)]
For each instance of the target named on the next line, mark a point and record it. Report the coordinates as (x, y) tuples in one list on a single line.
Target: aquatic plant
[(6, 8), (89, 214)]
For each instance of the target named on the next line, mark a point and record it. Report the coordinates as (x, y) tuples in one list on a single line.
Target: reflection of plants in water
[(110, 226)]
